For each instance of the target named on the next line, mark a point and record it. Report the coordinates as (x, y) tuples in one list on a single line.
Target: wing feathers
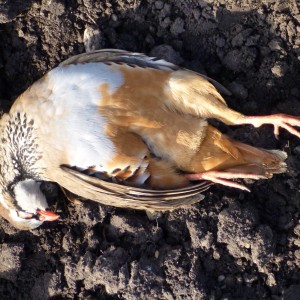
[(135, 60), (130, 197)]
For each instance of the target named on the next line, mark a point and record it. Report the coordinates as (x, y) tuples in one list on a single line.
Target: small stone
[(177, 27), (114, 17), (280, 69), (221, 278), (159, 4), (216, 255)]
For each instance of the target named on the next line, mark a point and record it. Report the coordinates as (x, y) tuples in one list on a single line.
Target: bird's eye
[(24, 214)]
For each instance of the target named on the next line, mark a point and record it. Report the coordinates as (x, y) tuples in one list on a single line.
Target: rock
[(177, 27), (280, 69), (167, 53), (159, 4)]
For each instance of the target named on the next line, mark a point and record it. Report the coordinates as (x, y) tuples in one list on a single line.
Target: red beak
[(46, 215)]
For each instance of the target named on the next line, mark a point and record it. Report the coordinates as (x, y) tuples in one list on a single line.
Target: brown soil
[(232, 245)]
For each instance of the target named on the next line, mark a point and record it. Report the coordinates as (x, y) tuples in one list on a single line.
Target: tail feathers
[(218, 152), (260, 161)]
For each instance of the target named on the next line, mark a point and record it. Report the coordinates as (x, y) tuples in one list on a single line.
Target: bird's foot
[(278, 121), (220, 178)]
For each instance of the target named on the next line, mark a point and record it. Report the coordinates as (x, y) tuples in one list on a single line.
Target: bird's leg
[(220, 178), (278, 121)]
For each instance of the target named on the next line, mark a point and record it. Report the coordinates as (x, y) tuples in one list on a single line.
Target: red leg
[(279, 121), (220, 177)]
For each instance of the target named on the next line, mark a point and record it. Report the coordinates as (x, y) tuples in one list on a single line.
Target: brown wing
[(186, 91), (129, 197), (135, 60)]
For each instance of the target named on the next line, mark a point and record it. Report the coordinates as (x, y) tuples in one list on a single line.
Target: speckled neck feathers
[(19, 150)]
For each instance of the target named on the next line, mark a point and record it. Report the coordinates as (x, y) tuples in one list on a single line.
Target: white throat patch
[(29, 196)]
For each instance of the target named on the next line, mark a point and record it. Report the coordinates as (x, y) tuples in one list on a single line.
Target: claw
[(278, 121), (276, 132)]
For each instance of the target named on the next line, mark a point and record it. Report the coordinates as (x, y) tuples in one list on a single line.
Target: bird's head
[(26, 206)]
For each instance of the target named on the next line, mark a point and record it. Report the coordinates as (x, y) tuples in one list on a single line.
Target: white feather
[(29, 196), (74, 103)]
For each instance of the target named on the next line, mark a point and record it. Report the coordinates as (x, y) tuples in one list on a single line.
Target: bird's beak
[(45, 215)]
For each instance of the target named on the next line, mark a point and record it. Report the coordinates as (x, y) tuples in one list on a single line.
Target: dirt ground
[(233, 244)]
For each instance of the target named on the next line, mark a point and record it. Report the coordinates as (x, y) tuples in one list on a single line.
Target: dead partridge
[(126, 130)]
